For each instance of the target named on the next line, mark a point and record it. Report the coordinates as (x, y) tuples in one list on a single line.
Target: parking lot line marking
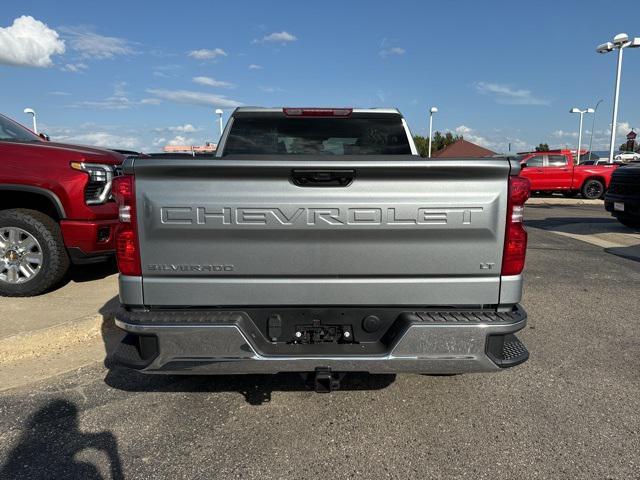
[(592, 239)]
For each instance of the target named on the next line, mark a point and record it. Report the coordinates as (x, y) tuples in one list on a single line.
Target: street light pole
[(581, 112), (593, 126), (32, 112), (219, 112), (614, 116), (432, 110), (620, 42)]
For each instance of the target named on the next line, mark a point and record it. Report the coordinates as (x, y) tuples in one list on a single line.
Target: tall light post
[(581, 112), (593, 126), (432, 110), (220, 112), (32, 112), (620, 42)]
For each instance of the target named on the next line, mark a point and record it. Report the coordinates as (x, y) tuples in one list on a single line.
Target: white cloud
[(507, 95), (186, 128), (622, 128), (495, 141), (282, 37), (254, 66), (271, 89), (564, 134), (195, 98), (74, 67), (166, 71), (101, 139), (181, 140), (92, 45), (205, 54), (118, 101), (212, 82), (29, 43), (387, 52)]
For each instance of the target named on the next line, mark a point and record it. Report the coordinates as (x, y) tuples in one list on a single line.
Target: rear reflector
[(515, 241), (317, 112), (127, 247)]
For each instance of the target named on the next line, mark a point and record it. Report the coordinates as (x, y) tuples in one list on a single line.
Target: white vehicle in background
[(627, 156)]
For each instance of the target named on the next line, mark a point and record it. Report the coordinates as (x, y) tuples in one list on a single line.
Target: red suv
[(55, 208)]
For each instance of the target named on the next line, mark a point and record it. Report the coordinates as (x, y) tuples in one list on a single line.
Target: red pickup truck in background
[(55, 208), (555, 171)]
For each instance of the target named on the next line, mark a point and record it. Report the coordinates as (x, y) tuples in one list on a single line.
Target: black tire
[(592, 189), (55, 260), (629, 221)]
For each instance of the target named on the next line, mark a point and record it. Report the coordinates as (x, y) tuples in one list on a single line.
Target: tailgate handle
[(323, 178)]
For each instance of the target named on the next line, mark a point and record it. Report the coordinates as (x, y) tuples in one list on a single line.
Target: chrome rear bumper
[(222, 343)]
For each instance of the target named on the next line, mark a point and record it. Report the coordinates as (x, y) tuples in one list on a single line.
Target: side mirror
[(44, 137)]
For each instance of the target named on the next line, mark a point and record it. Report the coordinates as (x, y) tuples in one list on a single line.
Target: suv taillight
[(127, 248), (515, 241)]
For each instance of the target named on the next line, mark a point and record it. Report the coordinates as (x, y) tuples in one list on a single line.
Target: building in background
[(463, 148), (206, 148)]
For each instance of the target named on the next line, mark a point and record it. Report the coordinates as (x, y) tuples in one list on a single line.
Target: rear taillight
[(127, 248), (515, 242), (317, 112)]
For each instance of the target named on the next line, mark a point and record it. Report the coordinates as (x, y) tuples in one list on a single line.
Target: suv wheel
[(592, 189), (32, 254)]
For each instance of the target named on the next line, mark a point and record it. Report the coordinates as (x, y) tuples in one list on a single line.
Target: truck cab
[(556, 171)]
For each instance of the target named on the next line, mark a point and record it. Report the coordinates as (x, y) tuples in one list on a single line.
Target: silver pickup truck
[(317, 240)]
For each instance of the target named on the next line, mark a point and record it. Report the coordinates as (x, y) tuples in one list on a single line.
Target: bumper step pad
[(506, 350)]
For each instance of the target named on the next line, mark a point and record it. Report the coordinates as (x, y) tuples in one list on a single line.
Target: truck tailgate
[(242, 232)]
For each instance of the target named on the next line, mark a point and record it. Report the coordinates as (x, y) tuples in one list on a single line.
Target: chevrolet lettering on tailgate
[(314, 216)]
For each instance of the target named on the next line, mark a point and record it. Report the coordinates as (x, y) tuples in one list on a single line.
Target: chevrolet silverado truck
[(623, 197), (556, 171), (56, 209), (317, 240)]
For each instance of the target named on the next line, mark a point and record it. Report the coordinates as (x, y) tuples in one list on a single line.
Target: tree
[(625, 147), (543, 147), (438, 142)]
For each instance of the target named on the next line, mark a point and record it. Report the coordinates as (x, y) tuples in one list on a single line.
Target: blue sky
[(139, 74)]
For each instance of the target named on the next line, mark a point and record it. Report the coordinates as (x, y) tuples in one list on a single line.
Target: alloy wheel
[(21, 255), (594, 190)]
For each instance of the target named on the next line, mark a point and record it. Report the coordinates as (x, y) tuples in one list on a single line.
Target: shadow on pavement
[(96, 271), (88, 273), (630, 253), (595, 224), (52, 441), (590, 226), (111, 335), (256, 389)]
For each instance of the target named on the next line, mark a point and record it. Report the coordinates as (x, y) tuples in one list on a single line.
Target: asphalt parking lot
[(572, 411)]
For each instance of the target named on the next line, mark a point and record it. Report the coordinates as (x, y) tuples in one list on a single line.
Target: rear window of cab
[(373, 135)]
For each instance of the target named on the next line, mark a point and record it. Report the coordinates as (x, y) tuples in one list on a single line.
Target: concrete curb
[(563, 201), (52, 340), (28, 357)]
